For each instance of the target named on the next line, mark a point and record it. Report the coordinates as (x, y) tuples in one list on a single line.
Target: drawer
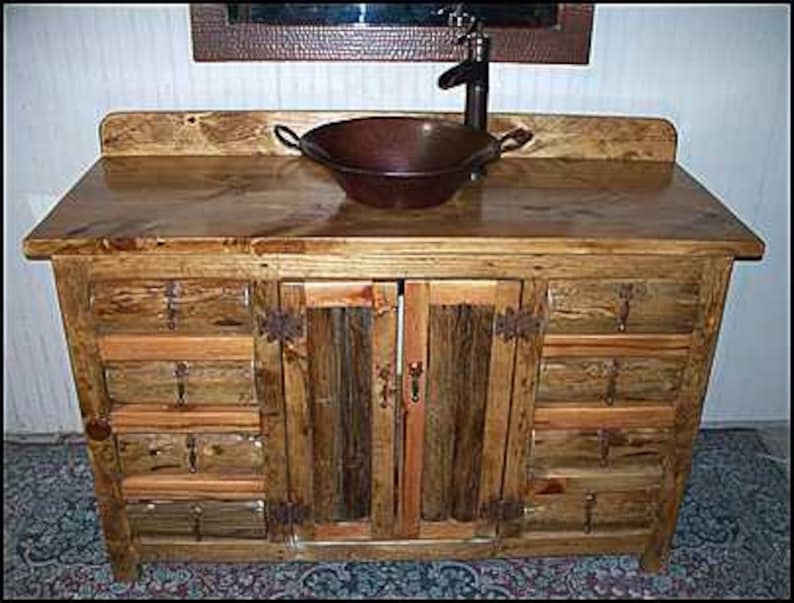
[(591, 511), (178, 306), (590, 451), (608, 380), (220, 453), (622, 306), (243, 519), (193, 382)]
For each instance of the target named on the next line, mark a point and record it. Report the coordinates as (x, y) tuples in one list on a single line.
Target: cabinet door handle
[(589, 503), (612, 375), (190, 441), (415, 371), (180, 372), (625, 293)]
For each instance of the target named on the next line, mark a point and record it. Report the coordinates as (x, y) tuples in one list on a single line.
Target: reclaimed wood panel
[(71, 279), (497, 412), (534, 299), (198, 519), (608, 381), (583, 417), (213, 383), (688, 408), (414, 392), (212, 453), (178, 306), (193, 486), (647, 306), (383, 409), (609, 511), (270, 398), (660, 346)]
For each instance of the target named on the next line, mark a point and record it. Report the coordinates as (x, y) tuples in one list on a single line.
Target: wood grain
[(144, 418), (71, 279), (688, 408), (175, 347), (660, 346), (192, 486), (205, 519), (268, 384), (416, 317), (213, 383), (251, 133), (570, 416), (383, 408), (534, 299)]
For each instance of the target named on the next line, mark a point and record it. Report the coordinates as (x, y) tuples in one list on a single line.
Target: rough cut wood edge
[(688, 408), (251, 133), (71, 278), (234, 550)]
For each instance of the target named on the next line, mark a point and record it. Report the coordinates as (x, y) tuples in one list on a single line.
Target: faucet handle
[(474, 29)]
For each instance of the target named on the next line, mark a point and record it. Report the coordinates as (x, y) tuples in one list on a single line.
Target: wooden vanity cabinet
[(283, 374)]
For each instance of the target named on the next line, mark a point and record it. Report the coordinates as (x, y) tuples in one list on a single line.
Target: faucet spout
[(462, 73)]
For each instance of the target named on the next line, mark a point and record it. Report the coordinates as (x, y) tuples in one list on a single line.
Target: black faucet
[(474, 73)]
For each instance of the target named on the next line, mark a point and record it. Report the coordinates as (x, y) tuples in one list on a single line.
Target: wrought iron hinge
[(283, 326), (520, 324)]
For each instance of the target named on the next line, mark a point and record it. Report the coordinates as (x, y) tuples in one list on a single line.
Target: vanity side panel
[(688, 408), (72, 282)]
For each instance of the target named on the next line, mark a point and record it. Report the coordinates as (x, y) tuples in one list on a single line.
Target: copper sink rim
[(489, 150)]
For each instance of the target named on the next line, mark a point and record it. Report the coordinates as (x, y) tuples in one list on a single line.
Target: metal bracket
[(282, 326), (520, 325)]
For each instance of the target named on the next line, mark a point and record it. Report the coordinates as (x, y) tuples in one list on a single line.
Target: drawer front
[(621, 306), (178, 306), (179, 453), (580, 451), (591, 511), (179, 383), (608, 380), (244, 519)]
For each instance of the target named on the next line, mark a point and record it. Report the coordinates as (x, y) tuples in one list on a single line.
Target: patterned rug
[(732, 541)]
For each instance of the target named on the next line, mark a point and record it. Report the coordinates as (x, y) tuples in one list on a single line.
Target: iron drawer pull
[(415, 371)]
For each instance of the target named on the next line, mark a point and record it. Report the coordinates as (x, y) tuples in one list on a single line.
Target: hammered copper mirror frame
[(215, 39)]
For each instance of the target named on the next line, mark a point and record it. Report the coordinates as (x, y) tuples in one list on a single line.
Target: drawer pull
[(625, 294), (172, 291), (387, 388), (197, 511), (603, 442), (612, 383), (98, 428), (589, 503), (415, 371), (180, 372), (190, 442)]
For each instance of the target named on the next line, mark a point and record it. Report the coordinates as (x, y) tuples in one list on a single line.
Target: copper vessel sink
[(401, 162)]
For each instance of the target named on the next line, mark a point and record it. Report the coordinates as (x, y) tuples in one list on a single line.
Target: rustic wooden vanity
[(234, 323)]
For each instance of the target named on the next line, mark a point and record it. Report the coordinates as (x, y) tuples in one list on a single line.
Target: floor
[(732, 540)]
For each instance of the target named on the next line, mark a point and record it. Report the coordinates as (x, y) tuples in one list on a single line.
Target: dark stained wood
[(688, 407), (198, 520), (471, 358), (216, 39), (71, 278)]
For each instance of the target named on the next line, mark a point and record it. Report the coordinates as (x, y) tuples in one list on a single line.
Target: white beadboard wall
[(719, 73)]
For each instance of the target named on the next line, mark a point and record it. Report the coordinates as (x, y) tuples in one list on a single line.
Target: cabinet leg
[(124, 563), (653, 560)]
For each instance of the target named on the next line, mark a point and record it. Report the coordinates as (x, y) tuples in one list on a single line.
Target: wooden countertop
[(288, 204)]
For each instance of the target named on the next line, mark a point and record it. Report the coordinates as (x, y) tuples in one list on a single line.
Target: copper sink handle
[(519, 136), (288, 138)]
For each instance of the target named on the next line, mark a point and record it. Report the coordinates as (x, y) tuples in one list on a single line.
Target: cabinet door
[(457, 374), (339, 358)]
